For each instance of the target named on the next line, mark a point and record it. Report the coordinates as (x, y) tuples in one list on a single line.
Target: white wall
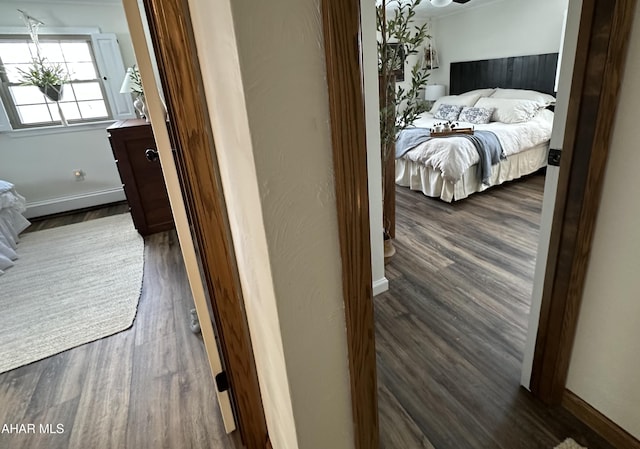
[(372, 117), (496, 30), (269, 109), (605, 362), (410, 60), (41, 164)]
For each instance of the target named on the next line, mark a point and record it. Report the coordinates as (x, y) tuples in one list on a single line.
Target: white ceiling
[(427, 9), (424, 9)]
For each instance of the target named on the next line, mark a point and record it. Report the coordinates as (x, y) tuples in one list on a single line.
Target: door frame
[(195, 154), (603, 36), (602, 47), (343, 51), (156, 112)]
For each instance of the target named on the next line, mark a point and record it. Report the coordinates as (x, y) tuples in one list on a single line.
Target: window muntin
[(83, 98)]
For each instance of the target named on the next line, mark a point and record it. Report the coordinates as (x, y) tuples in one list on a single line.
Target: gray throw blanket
[(486, 143), (410, 138)]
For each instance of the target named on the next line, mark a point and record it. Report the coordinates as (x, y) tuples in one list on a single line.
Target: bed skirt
[(430, 182)]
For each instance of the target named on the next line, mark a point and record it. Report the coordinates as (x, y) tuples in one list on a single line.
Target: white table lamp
[(432, 92), (129, 86)]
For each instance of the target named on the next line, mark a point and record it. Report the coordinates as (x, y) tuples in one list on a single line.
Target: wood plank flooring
[(147, 387), (450, 331), (449, 335)]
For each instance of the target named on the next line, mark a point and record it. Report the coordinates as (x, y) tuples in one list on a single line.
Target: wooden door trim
[(343, 50), (601, 53), (190, 126), (607, 429)]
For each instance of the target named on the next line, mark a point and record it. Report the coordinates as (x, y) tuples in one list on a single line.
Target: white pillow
[(509, 110), (448, 112), (477, 116), (458, 100), (543, 100), (481, 92)]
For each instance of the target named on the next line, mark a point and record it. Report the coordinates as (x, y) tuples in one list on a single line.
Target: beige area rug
[(569, 444), (70, 285)]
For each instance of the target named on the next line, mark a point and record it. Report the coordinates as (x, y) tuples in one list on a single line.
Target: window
[(83, 98)]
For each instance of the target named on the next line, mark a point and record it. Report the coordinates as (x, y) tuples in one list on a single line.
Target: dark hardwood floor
[(450, 331), (66, 218), (146, 387), (449, 335)]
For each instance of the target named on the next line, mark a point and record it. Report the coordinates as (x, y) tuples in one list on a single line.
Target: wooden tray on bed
[(453, 132)]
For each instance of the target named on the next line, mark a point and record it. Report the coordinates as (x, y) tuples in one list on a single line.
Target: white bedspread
[(453, 156), (12, 223)]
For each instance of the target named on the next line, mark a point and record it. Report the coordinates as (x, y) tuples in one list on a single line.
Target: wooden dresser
[(134, 150)]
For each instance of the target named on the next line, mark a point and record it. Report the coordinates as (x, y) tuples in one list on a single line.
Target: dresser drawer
[(142, 179)]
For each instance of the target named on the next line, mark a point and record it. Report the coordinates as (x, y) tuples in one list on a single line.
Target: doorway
[(463, 282), (588, 59)]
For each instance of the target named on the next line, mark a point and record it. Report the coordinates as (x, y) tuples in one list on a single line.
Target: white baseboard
[(67, 203), (380, 286)]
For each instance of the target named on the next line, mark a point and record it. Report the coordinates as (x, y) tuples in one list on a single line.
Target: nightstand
[(135, 153)]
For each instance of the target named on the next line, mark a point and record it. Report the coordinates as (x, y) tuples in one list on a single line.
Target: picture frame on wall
[(398, 49)]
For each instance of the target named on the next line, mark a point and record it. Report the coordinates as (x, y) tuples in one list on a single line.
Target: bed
[(12, 223), (449, 168)]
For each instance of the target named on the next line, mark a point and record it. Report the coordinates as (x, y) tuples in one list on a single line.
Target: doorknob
[(151, 154)]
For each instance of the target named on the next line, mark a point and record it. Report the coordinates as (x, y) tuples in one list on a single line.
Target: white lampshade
[(127, 83), (433, 91), (440, 3)]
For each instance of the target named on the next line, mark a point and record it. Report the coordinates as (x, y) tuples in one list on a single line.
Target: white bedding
[(12, 223), (453, 156)]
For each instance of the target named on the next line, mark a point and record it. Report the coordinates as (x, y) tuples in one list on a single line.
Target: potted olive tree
[(49, 78), (398, 37)]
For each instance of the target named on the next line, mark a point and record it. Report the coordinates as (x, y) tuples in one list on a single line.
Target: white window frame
[(110, 67)]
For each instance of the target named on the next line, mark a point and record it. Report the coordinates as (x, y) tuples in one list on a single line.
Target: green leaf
[(402, 106), (42, 73)]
